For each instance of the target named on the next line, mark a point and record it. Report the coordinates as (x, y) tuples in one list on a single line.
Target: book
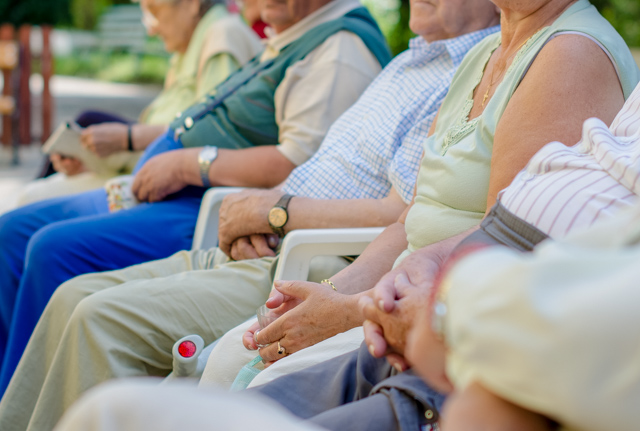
[(66, 141)]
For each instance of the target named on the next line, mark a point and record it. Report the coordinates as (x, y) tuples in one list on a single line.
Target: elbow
[(276, 173)]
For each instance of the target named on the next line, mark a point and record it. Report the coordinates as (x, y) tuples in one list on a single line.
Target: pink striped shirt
[(568, 188)]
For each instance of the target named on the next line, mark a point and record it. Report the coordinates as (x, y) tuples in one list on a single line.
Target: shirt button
[(188, 123), (428, 414)]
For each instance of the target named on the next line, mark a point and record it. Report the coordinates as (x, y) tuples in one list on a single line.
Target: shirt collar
[(328, 12), (456, 47)]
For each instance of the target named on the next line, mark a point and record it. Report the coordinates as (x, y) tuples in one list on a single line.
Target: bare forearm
[(306, 213), (259, 167), (144, 134), (375, 261)]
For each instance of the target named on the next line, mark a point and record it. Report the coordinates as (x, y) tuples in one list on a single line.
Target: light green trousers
[(124, 323)]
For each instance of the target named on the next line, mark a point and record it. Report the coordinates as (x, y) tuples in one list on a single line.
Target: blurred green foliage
[(392, 15), (18, 12), (119, 67), (624, 15), (85, 13)]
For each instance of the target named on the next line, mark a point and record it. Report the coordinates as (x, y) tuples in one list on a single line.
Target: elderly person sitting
[(208, 44), (564, 304), (544, 354), (362, 175), (459, 207), (559, 338), (262, 122)]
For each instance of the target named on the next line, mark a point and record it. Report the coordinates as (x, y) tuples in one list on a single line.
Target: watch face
[(277, 217), (208, 154)]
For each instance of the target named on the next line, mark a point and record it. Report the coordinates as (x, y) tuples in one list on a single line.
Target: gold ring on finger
[(281, 350)]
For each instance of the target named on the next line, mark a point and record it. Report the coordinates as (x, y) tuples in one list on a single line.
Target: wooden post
[(47, 72), (6, 33), (24, 103)]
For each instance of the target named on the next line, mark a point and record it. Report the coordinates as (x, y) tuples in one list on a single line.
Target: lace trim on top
[(463, 126)]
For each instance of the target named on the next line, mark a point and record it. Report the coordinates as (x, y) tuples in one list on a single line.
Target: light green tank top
[(453, 180)]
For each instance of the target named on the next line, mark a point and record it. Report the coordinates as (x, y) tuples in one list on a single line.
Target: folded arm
[(245, 213)]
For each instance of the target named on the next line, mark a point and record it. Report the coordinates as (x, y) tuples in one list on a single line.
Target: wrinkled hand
[(160, 177), (245, 213), (317, 313), (254, 247), (69, 166), (394, 303), (279, 304), (386, 334), (105, 139)]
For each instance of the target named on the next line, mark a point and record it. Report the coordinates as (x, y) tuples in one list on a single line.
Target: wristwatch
[(278, 215), (440, 309), (205, 158)]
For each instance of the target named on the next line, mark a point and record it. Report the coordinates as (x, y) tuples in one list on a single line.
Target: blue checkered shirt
[(377, 143)]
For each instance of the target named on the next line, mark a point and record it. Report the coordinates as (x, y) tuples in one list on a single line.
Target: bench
[(120, 29)]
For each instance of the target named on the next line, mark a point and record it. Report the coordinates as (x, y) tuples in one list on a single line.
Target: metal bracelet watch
[(279, 216), (205, 158)]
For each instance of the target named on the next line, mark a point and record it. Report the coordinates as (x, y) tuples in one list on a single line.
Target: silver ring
[(255, 339)]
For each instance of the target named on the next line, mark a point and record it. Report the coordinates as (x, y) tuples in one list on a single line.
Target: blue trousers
[(357, 392), (47, 243)]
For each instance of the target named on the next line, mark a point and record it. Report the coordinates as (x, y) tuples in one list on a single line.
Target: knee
[(47, 244), (66, 297), (88, 310), (11, 225)]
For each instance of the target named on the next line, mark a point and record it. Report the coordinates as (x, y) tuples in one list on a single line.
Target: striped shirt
[(563, 189), (377, 143)]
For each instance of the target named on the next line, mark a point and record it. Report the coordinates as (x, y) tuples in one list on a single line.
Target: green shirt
[(453, 181)]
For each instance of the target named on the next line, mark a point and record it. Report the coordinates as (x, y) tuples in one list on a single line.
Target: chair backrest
[(206, 232), (8, 55)]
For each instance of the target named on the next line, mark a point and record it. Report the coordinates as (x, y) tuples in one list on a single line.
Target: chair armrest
[(206, 234), (300, 246)]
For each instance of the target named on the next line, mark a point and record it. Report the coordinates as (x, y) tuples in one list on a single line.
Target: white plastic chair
[(206, 234), (299, 247)]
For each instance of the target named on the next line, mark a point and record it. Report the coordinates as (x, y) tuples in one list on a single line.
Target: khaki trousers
[(124, 323)]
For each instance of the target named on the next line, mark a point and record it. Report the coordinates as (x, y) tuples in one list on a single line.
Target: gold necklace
[(491, 81)]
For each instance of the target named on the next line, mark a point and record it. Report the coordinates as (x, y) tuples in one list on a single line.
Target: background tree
[(18, 12), (624, 15)]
